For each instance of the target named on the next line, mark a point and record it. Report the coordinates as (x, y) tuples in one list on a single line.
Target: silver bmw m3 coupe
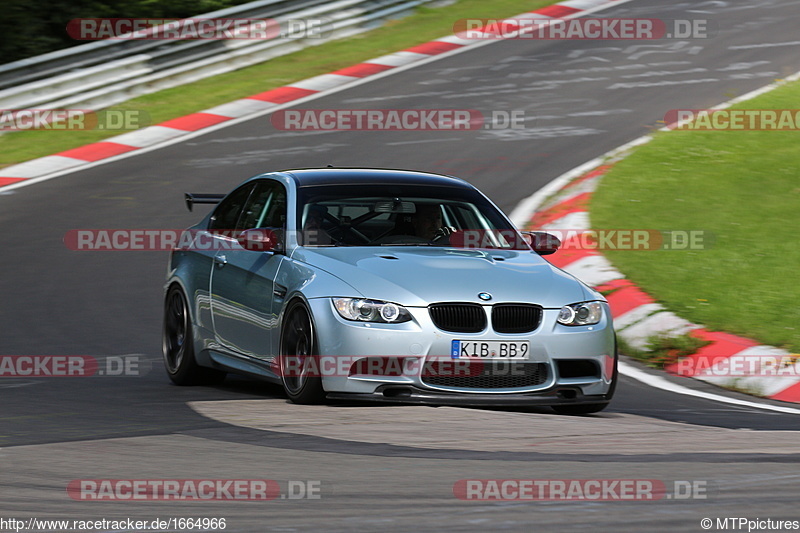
[(382, 285)]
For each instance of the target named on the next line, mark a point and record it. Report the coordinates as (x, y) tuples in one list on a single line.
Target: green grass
[(662, 350), (744, 189), (424, 25)]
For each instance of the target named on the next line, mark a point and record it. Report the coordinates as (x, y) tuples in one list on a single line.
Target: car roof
[(362, 176)]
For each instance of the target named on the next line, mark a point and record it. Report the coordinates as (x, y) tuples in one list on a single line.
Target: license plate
[(505, 350)]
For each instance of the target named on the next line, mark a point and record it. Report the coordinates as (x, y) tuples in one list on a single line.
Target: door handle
[(220, 260)]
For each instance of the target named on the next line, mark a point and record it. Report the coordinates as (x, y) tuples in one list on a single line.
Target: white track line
[(660, 383)]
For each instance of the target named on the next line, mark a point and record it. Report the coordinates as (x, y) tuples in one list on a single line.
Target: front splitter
[(415, 395)]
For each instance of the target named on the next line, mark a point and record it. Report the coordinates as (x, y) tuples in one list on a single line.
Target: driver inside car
[(427, 221), (313, 234)]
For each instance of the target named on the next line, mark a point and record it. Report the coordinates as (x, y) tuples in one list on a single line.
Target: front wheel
[(178, 345), (299, 360)]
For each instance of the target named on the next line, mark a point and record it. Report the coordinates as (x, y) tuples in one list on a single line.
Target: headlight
[(582, 314), (370, 310)]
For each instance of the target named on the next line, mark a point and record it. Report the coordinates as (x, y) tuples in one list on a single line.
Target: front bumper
[(551, 344)]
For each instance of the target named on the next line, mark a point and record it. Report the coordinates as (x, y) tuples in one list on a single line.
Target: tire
[(178, 344), (589, 408), (298, 353)]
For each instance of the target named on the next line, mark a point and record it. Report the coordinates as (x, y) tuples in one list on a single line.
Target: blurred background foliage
[(33, 27)]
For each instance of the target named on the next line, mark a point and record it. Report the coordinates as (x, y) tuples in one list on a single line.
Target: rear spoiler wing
[(199, 198)]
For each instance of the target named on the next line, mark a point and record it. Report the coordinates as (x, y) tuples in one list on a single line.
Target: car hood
[(418, 276)]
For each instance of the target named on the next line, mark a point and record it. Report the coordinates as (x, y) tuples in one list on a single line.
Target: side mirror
[(260, 240), (543, 243)]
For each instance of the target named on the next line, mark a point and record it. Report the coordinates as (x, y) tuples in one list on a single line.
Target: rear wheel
[(178, 345), (299, 363)]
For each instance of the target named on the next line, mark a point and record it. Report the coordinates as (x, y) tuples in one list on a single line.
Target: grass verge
[(739, 187), (426, 24), (661, 350)]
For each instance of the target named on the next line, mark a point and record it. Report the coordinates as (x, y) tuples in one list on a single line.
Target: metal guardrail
[(104, 73)]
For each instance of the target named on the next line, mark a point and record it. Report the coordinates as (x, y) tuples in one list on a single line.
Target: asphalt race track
[(387, 468)]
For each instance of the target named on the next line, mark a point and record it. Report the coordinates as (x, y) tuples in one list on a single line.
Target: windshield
[(402, 215)]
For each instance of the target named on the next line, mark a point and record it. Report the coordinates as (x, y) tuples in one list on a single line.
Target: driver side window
[(266, 207)]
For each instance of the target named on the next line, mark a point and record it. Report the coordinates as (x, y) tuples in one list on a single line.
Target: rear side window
[(227, 213)]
